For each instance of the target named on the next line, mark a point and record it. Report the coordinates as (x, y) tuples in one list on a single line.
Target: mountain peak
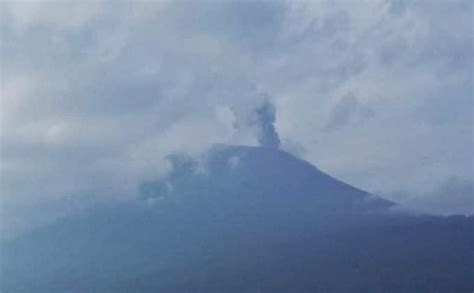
[(254, 174), (239, 219)]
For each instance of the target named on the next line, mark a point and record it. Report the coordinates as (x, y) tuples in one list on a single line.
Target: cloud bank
[(95, 95)]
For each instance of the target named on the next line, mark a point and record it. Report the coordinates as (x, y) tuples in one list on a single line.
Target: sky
[(95, 95)]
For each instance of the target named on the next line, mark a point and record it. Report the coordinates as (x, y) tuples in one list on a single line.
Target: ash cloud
[(265, 119)]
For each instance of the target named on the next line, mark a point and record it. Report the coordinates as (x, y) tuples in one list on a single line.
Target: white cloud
[(57, 15)]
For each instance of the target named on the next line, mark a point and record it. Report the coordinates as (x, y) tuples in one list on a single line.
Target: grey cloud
[(453, 196), (124, 84), (347, 110), (265, 119)]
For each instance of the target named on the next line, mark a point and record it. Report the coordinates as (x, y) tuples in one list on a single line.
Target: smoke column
[(267, 136)]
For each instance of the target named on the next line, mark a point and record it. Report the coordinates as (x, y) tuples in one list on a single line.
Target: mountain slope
[(260, 174), (244, 219)]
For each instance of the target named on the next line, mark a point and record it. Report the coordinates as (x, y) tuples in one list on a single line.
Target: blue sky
[(96, 94)]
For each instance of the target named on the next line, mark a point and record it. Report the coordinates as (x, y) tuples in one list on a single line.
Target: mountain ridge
[(233, 222)]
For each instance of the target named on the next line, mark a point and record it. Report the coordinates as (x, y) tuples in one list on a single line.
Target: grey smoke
[(267, 135)]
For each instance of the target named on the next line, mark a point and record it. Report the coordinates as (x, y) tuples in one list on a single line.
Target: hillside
[(244, 219)]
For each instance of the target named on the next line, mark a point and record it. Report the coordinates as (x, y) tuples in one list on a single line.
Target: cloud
[(453, 196), (94, 100), (347, 110), (25, 15)]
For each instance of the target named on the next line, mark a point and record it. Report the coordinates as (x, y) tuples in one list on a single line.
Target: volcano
[(244, 219)]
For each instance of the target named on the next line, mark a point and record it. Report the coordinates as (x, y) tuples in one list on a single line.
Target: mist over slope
[(244, 219), (241, 174)]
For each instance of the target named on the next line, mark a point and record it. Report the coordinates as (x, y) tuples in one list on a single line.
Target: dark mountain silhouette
[(244, 219)]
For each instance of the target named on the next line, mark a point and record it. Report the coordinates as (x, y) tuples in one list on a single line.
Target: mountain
[(259, 177), (244, 219)]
